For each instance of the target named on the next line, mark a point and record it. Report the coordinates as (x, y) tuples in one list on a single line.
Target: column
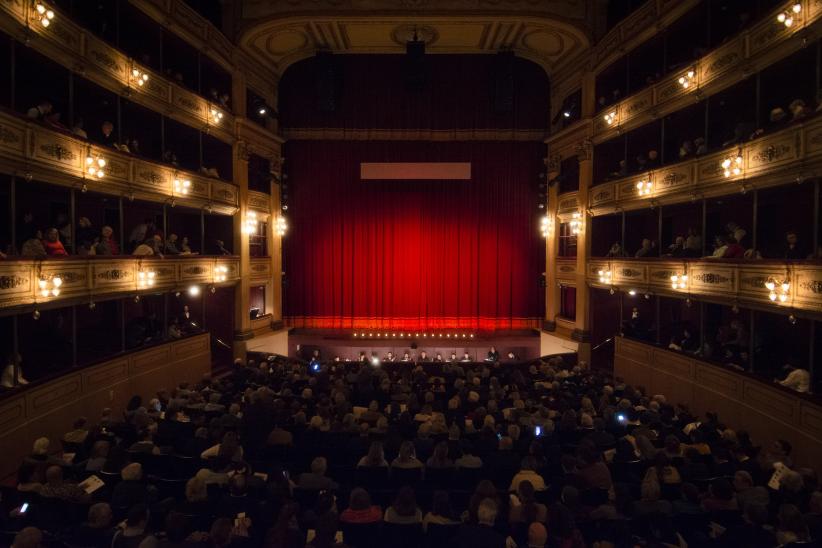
[(582, 331), (242, 320), (551, 248), (276, 249)]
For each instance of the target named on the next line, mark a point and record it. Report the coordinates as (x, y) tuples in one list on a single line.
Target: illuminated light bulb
[(772, 296), (41, 9), (194, 290), (42, 283), (55, 292), (632, 292), (783, 298), (770, 285), (781, 17), (472, 335), (355, 334), (796, 8), (785, 286)]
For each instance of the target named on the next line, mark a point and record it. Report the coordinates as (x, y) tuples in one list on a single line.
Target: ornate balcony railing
[(86, 278), (72, 46), (754, 49), (754, 282), (30, 149), (771, 160)]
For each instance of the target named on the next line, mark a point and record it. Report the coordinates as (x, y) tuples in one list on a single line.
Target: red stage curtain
[(412, 255), (459, 94)]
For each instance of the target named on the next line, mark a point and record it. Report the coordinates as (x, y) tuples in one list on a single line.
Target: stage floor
[(525, 344)]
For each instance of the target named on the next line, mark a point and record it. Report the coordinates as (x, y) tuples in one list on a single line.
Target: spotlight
[(262, 111), (194, 290), (567, 113)]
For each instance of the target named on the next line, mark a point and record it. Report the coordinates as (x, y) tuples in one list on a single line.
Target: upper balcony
[(30, 149), (72, 46), (768, 161), (760, 46)]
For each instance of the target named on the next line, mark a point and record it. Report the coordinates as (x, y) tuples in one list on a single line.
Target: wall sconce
[(732, 165), (545, 226), (95, 165), (610, 118), (44, 13), (145, 278), (138, 77), (786, 17), (250, 222), (644, 188), (679, 281), (220, 273), (181, 186), (282, 226), (686, 79), (778, 290), (215, 115), (604, 276), (49, 285), (576, 223)]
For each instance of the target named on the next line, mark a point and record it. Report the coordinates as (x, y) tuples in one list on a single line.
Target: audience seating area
[(276, 454)]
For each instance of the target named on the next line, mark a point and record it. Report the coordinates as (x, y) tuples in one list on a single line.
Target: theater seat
[(440, 536), (402, 536), (357, 535)]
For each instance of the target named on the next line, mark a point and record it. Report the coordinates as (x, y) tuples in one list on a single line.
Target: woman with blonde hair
[(374, 458)]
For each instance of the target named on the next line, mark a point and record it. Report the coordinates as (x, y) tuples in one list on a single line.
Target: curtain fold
[(413, 255)]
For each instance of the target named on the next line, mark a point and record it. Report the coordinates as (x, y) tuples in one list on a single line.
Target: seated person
[(53, 245)]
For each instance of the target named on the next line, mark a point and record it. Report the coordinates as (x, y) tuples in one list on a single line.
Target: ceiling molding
[(284, 37)]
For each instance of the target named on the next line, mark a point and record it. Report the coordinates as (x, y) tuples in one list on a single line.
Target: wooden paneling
[(767, 411), (49, 409)]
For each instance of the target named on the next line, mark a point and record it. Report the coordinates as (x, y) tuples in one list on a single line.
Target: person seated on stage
[(493, 355), (337, 359), (423, 357), (406, 357), (453, 357), (439, 358), (465, 357), (362, 357), (512, 357), (390, 357)]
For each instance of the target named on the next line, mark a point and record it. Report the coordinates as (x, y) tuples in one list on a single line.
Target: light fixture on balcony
[(44, 13), (786, 17), (250, 222), (282, 226), (779, 290), (610, 118), (604, 276), (220, 273), (145, 278), (215, 115), (679, 281), (632, 292), (95, 165), (732, 165), (644, 188), (50, 285), (194, 290), (545, 226), (138, 77), (576, 223), (686, 79), (181, 186)]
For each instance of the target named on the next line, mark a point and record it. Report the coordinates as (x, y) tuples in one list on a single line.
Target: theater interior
[(410, 273)]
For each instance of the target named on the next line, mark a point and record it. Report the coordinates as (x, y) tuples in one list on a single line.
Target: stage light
[(262, 111), (644, 187), (378, 334), (472, 335), (567, 114), (386, 335), (449, 335), (425, 334), (440, 335), (194, 290), (355, 334), (370, 334), (362, 334), (464, 335), (375, 361)]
